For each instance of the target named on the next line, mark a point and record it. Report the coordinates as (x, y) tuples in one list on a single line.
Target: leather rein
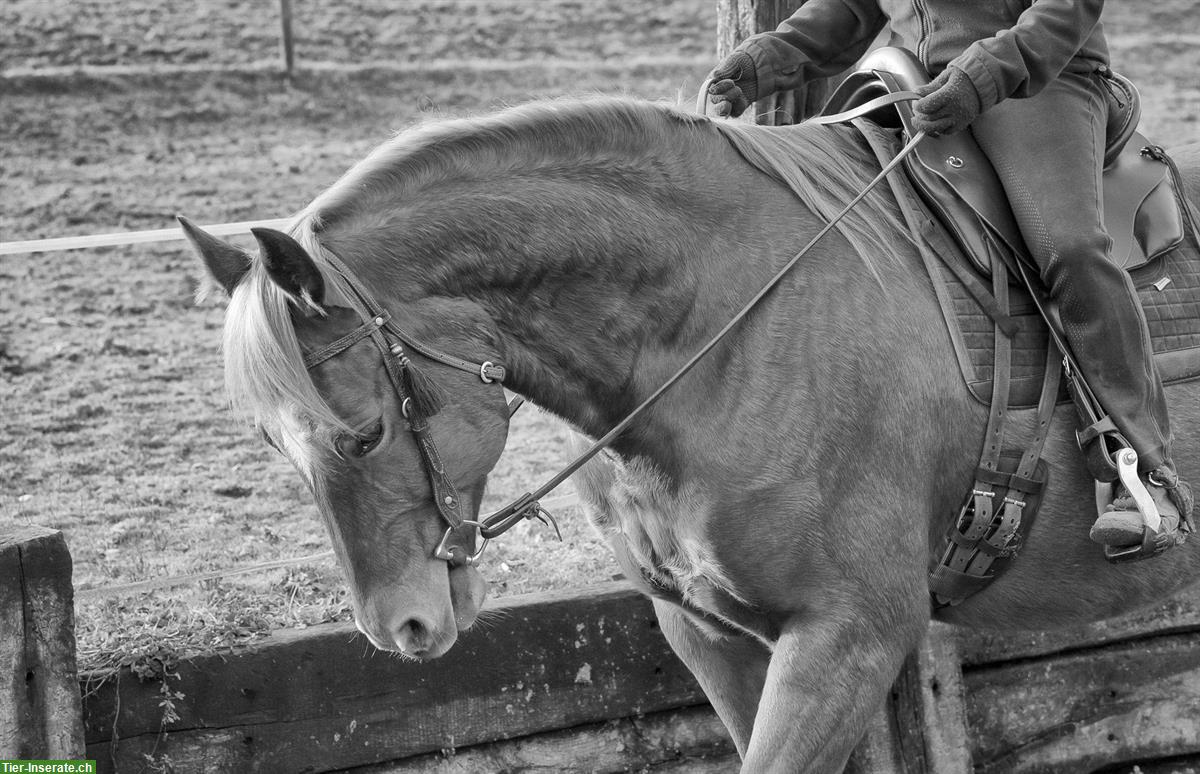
[(457, 548)]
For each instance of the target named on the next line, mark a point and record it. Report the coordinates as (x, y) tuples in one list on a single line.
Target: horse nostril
[(414, 637)]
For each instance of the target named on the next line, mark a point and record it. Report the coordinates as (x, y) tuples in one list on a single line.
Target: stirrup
[(1153, 544), (1155, 539)]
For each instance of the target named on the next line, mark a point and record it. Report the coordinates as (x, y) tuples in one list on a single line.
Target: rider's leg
[(1048, 152)]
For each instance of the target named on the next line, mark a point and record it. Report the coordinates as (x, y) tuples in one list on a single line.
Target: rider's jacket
[(1008, 48)]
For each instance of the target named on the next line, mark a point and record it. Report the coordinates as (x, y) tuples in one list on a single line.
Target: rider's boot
[(1122, 526)]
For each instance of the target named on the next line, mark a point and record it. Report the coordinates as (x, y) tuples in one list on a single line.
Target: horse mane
[(265, 376), (826, 167)]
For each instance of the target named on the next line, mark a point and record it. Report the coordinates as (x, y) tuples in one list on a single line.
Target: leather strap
[(975, 517), (870, 106), (344, 343), (369, 309)]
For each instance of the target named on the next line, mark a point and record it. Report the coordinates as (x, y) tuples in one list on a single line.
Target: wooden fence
[(578, 681), (39, 688)]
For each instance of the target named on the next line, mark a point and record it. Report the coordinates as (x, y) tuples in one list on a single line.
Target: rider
[(1047, 144)]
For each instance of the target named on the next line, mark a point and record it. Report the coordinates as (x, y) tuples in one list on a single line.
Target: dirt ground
[(115, 428)]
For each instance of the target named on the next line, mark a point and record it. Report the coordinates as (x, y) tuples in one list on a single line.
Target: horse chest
[(662, 532)]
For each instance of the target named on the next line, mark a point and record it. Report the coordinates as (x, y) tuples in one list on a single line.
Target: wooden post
[(923, 726), (738, 20), (40, 709), (287, 43)]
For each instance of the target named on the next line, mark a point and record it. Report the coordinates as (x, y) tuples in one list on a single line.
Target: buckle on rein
[(525, 507)]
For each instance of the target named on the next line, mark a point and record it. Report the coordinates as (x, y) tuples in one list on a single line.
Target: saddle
[(976, 240), (957, 182)]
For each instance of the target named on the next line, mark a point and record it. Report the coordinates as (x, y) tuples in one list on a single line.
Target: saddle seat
[(958, 182)]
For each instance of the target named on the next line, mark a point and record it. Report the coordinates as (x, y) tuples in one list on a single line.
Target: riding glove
[(948, 104), (734, 84)]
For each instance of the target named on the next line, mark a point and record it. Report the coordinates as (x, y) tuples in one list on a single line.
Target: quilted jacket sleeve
[(1021, 60), (821, 39)]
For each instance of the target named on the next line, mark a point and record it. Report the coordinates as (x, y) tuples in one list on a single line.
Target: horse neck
[(605, 292), (604, 263)]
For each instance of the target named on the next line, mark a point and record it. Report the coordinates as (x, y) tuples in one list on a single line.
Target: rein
[(390, 340), (526, 506)]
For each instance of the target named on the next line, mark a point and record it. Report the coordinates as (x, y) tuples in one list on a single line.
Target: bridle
[(457, 544), (457, 548)]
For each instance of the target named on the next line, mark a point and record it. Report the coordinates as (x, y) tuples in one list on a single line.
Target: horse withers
[(780, 503)]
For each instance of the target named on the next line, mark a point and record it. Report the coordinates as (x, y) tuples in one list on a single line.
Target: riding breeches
[(1048, 151)]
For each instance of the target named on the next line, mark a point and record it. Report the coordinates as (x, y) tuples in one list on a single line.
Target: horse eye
[(360, 444), (370, 439)]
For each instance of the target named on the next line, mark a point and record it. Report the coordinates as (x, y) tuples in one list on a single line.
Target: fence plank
[(39, 698), (692, 738), (1128, 702), (1180, 613), (322, 698)]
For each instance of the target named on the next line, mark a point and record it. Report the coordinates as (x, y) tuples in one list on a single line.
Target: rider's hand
[(734, 84), (948, 104)]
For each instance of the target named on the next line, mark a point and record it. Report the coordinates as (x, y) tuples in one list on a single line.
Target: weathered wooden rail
[(39, 688), (579, 681)]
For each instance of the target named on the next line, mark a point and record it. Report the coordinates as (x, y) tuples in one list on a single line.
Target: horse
[(779, 504)]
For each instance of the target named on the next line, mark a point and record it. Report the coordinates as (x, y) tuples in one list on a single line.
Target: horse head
[(376, 441)]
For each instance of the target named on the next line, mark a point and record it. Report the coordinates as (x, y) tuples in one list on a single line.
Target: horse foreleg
[(730, 667), (826, 679)]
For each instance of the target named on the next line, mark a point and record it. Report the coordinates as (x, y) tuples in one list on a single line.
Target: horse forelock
[(265, 376)]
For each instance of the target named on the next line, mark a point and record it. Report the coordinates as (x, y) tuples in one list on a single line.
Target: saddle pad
[(1169, 289)]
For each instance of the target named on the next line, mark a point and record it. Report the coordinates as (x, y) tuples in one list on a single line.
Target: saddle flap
[(1141, 211)]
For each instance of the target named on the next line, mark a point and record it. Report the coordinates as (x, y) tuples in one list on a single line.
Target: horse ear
[(226, 263), (290, 266)]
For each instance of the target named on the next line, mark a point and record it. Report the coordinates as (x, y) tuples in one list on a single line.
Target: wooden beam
[(1129, 702), (323, 698), (40, 714), (1180, 613), (692, 739)]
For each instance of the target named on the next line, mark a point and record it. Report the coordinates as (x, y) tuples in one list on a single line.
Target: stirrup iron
[(1153, 543)]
